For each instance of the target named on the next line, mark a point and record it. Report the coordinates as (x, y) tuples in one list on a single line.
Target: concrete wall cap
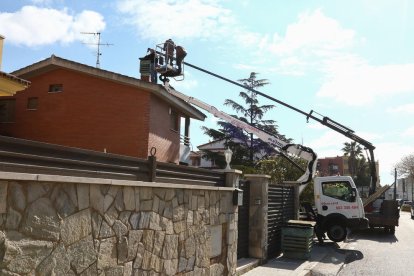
[(257, 176), (104, 181)]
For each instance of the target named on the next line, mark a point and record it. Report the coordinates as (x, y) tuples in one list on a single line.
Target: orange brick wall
[(161, 136), (90, 113)]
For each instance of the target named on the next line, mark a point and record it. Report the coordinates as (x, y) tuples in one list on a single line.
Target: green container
[(297, 241)]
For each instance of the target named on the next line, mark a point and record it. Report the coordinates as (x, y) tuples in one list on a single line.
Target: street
[(373, 252)]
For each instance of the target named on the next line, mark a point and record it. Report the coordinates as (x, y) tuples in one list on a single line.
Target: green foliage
[(244, 146), (357, 164), (308, 194)]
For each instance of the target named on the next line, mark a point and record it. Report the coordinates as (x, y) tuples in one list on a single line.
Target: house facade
[(76, 105), (330, 166), (9, 84)]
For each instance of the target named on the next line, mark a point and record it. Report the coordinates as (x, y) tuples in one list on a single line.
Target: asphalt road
[(373, 252)]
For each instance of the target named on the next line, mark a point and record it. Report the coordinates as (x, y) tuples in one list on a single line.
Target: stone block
[(171, 267), (146, 260), (82, 254), (179, 227), (137, 200), (62, 202), (217, 269), (17, 196), (169, 195), (216, 240), (134, 220), (22, 255), (179, 213), (144, 220), (156, 263), (96, 198), (122, 248), (140, 256), (119, 201), (146, 205), (108, 200), (106, 230), (114, 271), (128, 269), (96, 223), (3, 196), (124, 218), (145, 193), (76, 227), (170, 250), (41, 220), (158, 242), (134, 239), (36, 190), (159, 192), (129, 198), (57, 263), (107, 256), (119, 228), (154, 223), (90, 271), (148, 240), (82, 191), (13, 219), (190, 247)]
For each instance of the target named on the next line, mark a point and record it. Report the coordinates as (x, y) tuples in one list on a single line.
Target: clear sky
[(352, 61)]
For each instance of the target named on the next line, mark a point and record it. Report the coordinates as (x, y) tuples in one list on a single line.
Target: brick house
[(76, 105)]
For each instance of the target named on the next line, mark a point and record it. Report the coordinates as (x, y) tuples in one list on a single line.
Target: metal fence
[(281, 208), (26, 156)]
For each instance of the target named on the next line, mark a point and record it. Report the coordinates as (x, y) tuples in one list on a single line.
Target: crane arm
[(278, 144)]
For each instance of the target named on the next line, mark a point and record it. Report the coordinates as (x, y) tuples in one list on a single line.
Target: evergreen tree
[(244, 146)]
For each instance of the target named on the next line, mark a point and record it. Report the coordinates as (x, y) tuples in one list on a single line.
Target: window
[(174, 121), (32, 103), (7, 107), (339, 189), (54, 88)]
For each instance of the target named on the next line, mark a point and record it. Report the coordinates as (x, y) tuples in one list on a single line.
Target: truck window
[(338, 189)]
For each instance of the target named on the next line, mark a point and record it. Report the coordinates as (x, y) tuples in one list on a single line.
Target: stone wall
[(54, 225)]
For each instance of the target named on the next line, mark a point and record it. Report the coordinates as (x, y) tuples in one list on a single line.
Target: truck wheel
[(336, 232)]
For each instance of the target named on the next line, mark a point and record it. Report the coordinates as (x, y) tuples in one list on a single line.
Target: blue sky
[(349, 60)]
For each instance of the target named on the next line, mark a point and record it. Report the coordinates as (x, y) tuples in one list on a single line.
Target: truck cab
[(339, 207)]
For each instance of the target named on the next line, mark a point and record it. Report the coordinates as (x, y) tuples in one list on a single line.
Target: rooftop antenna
[(98, 53)]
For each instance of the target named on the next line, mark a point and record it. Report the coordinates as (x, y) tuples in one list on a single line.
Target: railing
[(25, 156)]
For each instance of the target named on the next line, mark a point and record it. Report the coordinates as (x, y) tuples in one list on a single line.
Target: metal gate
[(281, 202), (243, 223)]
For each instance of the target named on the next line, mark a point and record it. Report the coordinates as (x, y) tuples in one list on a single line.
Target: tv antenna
[(98, 53)]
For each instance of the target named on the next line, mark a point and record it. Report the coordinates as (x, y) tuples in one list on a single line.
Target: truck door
[(339, 196)]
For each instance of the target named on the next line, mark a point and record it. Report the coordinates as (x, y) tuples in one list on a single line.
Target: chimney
[(145, 69), (1, 49)]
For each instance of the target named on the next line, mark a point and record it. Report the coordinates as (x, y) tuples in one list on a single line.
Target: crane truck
[(336, 197)]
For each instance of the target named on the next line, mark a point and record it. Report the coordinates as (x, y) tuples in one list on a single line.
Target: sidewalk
[(326, 259)]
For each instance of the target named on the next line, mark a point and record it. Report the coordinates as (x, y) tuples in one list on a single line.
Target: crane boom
[(326, 121), (278, 144)]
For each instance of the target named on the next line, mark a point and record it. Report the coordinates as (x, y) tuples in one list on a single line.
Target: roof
[(55, 62), (10, 84)]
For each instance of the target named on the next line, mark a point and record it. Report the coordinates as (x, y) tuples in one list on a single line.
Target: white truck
[(336, 198), (339, 207)]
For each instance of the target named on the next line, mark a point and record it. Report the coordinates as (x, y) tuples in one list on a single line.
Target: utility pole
[(98, 44), (395, 184)]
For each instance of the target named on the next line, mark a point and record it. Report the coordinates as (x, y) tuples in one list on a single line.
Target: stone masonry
[(83, 227)]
